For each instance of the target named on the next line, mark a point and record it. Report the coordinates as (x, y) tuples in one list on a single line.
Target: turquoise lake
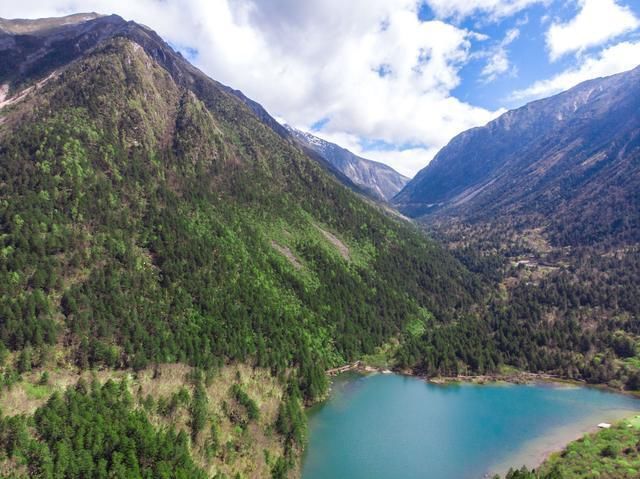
[(390, 426)]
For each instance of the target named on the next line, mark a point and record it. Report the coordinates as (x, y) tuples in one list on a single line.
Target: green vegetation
[(249, 404), (524, 473), (607, 454), (132, 247), (198, 410), (93, 431), (183, 400), (292, 425), (37, 391), (569, 312)]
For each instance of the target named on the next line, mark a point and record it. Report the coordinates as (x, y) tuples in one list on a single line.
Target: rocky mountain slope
[(569, 164), (378, 180)]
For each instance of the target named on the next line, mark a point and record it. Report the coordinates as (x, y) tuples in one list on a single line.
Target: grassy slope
[(607, 454)]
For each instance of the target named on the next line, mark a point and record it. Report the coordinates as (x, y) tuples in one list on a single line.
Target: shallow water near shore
[(383, 426)]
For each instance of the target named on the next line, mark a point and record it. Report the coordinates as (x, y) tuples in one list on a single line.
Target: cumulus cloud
[(615, 59), (370, 67), (374, 71), (597, 22), (496, 9), (498, 63)]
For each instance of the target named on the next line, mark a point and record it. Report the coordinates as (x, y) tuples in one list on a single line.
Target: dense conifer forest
[(571, 312)]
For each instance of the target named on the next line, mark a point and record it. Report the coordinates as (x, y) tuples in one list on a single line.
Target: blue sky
[(392, 80), (528, 54)]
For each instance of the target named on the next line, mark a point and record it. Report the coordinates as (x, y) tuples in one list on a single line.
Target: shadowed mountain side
[(569, 163)]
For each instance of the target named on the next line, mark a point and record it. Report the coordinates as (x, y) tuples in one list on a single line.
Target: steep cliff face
[(569, 163), (375, 179)]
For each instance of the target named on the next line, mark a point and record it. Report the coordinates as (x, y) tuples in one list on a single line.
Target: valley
[(180, 271)]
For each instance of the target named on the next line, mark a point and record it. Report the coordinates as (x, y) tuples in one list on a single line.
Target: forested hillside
[(148, 216), (543, 203), (167, 249), (147, 221)]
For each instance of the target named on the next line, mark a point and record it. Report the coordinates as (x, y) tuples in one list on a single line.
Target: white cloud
[(615, 59), (498, 63), (597, 22), (306, 61), (496, 9)]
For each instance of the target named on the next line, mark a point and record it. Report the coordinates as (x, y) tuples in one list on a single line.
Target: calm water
[(388, 426)]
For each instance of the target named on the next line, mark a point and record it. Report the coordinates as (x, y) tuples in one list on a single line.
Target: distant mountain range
[(569, 164), (376, 179)]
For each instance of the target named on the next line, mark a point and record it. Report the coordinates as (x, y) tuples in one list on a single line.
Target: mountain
[(376, 179), (544, 202), (156, 229), (354, 173), (135, 168), (569, 164), (177, 275)]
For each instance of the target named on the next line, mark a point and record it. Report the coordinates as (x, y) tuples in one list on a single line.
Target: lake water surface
[(389, 426)]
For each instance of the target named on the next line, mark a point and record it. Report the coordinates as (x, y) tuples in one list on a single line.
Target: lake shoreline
[(553, 446), (520, 377)]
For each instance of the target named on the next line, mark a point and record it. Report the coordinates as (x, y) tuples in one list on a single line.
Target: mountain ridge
[(557, 149), (371, 179)]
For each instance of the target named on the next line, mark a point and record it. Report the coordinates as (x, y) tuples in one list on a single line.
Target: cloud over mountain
[(397, 78)]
